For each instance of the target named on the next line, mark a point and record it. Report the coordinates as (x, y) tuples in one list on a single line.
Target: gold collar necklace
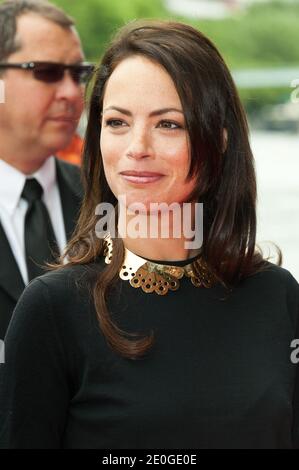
[(156, 277)]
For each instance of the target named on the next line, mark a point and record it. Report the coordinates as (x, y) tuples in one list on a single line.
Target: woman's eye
[(115, 123), (169, 125)]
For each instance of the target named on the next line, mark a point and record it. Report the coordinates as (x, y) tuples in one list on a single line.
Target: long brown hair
[(226, 177)]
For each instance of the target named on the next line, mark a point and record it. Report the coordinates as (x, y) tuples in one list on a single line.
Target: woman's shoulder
[(274, 285), (273, 274), (71, 275), (67, 284), (60, 296)]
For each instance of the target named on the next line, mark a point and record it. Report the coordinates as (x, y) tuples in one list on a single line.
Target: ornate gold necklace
[(159, 278)]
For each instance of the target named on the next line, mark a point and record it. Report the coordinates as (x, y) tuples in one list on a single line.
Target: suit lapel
[(10, 277), (68, 178)]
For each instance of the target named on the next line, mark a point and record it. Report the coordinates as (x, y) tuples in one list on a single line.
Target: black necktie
[(40, 241)]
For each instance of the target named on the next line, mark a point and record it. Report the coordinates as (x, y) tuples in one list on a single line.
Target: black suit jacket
[(11, 281)]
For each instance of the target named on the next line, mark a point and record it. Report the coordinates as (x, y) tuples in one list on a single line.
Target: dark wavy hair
[(226, 182)]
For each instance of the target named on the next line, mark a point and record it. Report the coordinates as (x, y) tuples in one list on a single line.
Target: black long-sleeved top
[(218, 376)]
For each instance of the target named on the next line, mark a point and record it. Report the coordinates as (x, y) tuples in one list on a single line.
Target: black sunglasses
[(51, 72)]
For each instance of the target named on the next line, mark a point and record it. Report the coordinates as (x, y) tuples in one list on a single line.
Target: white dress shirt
[(13, 208)]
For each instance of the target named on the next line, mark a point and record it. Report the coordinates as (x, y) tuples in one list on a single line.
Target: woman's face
[(144, 142)]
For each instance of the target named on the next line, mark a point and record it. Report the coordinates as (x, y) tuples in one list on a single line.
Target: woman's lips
[(141, 177)]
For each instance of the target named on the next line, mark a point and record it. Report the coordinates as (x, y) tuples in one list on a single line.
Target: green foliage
[(255, 100), (97, 20), (266, 35)]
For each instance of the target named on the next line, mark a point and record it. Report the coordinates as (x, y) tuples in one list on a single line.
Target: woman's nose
[(140, 145)]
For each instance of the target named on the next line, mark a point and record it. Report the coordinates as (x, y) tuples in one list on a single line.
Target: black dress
[(219, 375)]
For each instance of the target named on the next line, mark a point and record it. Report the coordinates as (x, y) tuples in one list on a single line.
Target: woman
[(150, 341)]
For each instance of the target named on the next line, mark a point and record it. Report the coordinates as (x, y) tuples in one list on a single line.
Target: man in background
[(43, 72)]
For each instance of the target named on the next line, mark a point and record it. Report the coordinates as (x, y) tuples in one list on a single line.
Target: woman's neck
[(160, 249), (160, 236)]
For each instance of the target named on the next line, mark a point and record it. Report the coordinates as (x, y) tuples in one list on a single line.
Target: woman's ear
[(224, 140)]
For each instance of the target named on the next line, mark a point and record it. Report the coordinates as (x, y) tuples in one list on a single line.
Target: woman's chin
[(151, 207)]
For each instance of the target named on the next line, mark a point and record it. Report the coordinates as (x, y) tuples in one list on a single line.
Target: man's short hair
[(10, 10)]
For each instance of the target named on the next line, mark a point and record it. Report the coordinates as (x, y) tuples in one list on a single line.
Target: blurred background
[(259, 39)]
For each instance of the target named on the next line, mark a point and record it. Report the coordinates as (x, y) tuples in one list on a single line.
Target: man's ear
[(224, 140)]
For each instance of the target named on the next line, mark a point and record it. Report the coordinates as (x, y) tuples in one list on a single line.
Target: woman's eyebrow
[(157, 112)]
